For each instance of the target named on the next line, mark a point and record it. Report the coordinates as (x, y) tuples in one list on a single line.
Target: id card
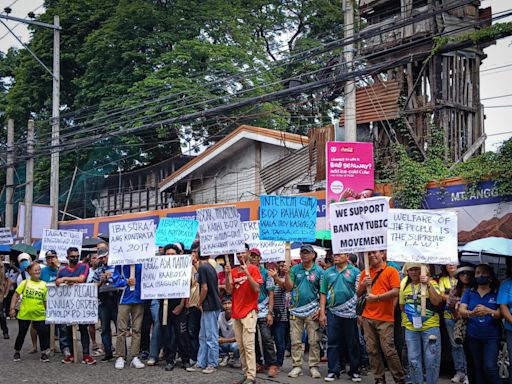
[(416, 322)]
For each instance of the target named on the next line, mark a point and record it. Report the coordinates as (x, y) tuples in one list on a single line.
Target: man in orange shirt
[(378, 316)]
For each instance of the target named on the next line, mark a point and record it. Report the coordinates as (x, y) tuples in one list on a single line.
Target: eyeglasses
[(466, 273)]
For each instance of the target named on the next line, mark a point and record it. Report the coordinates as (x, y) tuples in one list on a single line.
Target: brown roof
[(498, 227), (272, 133), (377, 102)]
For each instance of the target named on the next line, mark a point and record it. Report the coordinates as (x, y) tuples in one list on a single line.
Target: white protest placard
[(131, 242), (422, 236), (5, 236), (220, 231), (271, 251), (59, 241), (72, 304), (166, 277), (359, 225)]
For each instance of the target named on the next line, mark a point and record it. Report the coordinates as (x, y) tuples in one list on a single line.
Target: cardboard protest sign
[(359, 225), (60, 241), (288, 218), (422, 236), (220, 231), (72, 304), (171, 230), (271, 251), (5, 236), (131, 242), (166, 277)]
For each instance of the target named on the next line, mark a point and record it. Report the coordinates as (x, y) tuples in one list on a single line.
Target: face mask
[(24, 264), (483, 280), (73, 260), (101, 264)]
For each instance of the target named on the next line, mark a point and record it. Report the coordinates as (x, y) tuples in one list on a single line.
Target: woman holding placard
[(422, 333), (480, 306), (32, 310)]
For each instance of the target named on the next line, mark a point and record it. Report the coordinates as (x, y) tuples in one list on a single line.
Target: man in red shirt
[(243, 283)]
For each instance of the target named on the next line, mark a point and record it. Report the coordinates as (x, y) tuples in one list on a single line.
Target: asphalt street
[(31, 370)]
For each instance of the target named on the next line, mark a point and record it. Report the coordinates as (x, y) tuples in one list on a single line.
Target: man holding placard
[(303, 280), (243, 283), (382, 287), (75, 273)]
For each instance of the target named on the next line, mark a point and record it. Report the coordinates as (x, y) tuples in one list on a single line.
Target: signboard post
[(60, 241), (220, 231)]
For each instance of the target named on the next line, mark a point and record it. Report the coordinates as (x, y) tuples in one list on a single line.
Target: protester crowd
[(250, 315)]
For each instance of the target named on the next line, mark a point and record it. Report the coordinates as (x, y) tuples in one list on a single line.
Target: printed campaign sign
[(5, 236), (172, 230), (422, 236), (220, 231), (271, 251), (288, 218), (359, 225), (59, 241), (72, 304), (131, 242), (166, 277)]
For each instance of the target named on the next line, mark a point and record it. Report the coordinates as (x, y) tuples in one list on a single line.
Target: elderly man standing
[(303, 280), (378, 316)]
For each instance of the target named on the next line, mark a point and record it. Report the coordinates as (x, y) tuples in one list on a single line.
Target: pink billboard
[(349, 171)]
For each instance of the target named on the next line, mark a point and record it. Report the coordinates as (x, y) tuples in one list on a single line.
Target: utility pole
[(54, 177), (9, 176), (350, 85), (29, 183)]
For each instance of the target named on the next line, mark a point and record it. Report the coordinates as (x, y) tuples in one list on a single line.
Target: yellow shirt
[(410, 298), (446, 283), (33, 301)]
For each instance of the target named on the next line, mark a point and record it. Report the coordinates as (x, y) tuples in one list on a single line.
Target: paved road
[(31, 370)]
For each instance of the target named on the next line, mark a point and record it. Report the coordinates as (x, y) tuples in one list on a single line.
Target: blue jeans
[(107, 314), (63, 337), (459, 359), (154, 344), (418, 344), (342, 335), (484, 353), (208, 355), (279, 329), (226, 348)]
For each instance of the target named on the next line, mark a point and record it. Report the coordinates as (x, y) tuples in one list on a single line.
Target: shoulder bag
[(361, 301)]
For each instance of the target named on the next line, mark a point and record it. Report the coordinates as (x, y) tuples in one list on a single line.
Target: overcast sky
[(495, 82)]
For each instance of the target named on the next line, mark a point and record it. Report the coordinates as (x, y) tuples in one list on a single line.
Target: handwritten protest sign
[(288, 218), (166, 277), (131, 242), (60, 241), (359, 225), (271, 251), (72, 304), (422, 236), (5, 236), (176, 230), (220, 231)]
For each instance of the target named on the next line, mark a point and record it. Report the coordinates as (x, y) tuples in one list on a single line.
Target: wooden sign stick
[(165, 310), (132, 275), (367, 271), (288, 254), (74, 330), (423, 292), (52, 339)]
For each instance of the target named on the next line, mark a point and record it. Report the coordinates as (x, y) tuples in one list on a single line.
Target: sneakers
[(235, 363), (68, 359), (209, 369), (17, 356), (107, 358), (98, 352), (88, 360), (185, 364), (194, 368), (315, 373), (458, 378), (295, 372), (151, 362), (170, 366), (273, 371), (466, 380), (44, 358), (331, 377), (355, 377), (136, 363), (119, 363), (224, 361)]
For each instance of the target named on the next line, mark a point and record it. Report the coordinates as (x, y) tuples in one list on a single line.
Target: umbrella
[(5, 249), (324, 234), (488, 250), (22, 247)]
